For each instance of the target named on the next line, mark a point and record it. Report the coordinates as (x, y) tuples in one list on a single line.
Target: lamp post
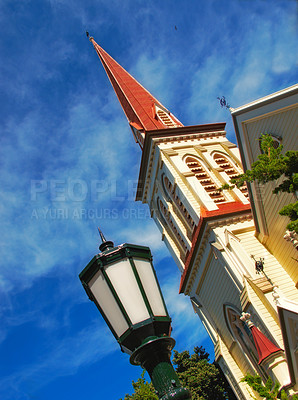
[(121, 281)]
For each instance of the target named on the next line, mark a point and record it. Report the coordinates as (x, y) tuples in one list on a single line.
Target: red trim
[(264, 346), (227, 208), (223, 210), (137, 126)]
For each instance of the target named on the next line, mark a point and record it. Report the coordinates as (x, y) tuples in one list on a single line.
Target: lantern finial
[(106, 244)]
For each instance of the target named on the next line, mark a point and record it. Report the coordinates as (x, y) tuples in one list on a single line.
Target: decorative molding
[(204, 273), (229, 234), (217, 245), (292, 236), (245, 317), (271, 310), (169, 152), (217, 351), (200, 148), (230, 145), (263, 284), (244, 298), (188, 174)]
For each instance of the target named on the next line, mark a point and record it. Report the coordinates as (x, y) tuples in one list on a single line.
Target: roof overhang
[(226, 210), (245, 113), (281, 94)]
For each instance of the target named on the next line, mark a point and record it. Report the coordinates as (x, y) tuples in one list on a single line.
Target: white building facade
[(211, 234)]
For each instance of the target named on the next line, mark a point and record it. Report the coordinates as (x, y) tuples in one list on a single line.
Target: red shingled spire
[(264, 346), (142, 110)]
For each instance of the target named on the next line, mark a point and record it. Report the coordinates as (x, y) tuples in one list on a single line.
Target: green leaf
[(270, 166)]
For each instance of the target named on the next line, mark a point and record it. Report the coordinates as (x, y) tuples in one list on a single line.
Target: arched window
[(242, 334), (171, 192), (227, 165), (170, 223), (165, 117), (205, 179)]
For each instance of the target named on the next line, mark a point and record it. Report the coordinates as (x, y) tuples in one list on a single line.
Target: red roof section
[(225, 209), (136, 101), (264, 346)]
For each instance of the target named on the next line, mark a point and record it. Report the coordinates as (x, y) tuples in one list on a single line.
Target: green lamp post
[(121, 281)]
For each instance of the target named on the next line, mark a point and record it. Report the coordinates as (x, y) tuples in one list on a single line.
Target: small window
[(165, 117)]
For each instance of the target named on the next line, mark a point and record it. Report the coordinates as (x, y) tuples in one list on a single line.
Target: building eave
[(289, 91), (242, 113), (229, 210)]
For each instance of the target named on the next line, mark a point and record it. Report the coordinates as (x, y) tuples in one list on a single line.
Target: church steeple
[(143, 111)]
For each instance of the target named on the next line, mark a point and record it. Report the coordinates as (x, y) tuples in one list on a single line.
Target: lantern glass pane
[(107, 302), (125, 284), (148, 279)]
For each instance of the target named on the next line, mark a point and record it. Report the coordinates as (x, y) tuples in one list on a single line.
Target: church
[(239, 272)]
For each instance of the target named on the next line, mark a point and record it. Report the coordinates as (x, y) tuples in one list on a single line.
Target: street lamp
[(121, 281)]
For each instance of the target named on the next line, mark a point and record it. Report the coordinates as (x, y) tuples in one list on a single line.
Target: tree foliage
[(269, 391), (143, 390), (204, 380), (270, 166)]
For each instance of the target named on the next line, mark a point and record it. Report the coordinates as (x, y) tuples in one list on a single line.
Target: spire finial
[(245, 317), (106, 244), (275, 295), (89, 37)]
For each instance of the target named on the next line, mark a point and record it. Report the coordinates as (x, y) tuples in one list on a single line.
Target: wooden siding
[(272, 268), (216, 290), (282, 123), (237, 370), (265, 314)]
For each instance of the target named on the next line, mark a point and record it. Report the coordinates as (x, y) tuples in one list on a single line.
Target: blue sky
[(69, 164)]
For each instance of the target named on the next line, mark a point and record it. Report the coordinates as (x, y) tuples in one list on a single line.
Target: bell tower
[(182, 167)]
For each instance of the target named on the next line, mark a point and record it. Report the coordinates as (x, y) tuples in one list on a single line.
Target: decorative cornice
[(170, 152), (155, 137)]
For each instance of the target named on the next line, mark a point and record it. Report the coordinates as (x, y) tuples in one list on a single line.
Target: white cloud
[(182, 315), (93, 150), (62, 121)]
